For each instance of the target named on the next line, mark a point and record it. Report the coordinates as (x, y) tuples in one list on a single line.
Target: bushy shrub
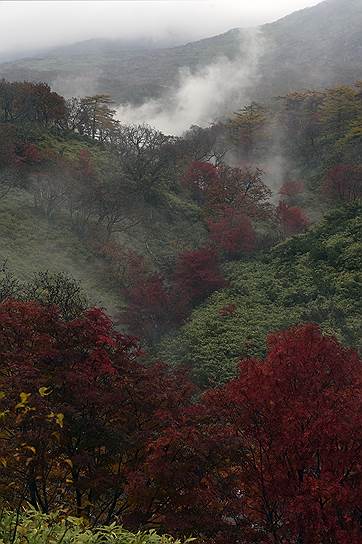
[(31, 527)]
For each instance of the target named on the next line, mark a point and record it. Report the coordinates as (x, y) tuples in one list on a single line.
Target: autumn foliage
[(298, 413), (27, 101), (291, 219), (156, 303), (199, 178), (150, 310), (197, 274), (89, 424), (220, 188), (272, 456), (232, 234), (78, 412)]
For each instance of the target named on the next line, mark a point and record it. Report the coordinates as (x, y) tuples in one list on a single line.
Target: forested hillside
[(315, 277), (128, 210), (233, 255)]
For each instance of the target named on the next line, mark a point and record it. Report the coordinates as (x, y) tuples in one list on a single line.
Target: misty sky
[(38, 24)]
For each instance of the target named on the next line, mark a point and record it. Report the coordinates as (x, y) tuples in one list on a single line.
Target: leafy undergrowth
[(34, 528), (313, 277)]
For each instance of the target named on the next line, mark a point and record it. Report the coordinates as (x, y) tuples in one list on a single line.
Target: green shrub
[(313, 277), (31, 527)]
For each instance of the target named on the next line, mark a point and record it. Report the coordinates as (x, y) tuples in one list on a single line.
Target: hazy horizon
[(169, 22)]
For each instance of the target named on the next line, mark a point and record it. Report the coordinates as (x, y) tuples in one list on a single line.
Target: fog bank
[(201, 97)]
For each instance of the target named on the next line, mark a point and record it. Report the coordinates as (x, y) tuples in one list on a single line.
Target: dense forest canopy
[(233, 255)]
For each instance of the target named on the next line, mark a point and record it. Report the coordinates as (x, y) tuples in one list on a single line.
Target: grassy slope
[(30, 243)]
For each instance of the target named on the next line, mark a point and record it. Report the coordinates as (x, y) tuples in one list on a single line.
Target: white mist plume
[(201, 97)]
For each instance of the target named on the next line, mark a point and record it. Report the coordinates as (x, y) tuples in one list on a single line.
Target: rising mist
[(205, 95)]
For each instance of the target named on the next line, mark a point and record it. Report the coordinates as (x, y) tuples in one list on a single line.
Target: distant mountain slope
[(315, 47), (107, 66)]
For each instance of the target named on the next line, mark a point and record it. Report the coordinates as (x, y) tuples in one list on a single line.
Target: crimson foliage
[(197, 274), (291, 219), (156, 304), (199, 177), (232, 234), (150, 310), (88, 410), (220, 188), (274, 456)]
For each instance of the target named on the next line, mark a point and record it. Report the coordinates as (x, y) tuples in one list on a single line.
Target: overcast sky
[(38, 24)]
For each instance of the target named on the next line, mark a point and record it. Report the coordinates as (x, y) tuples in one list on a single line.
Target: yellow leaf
[(2, 395), (44, 391), (24, 397), (59, 418), (3, 462), (3, 414), (30, 448), (68, 462)]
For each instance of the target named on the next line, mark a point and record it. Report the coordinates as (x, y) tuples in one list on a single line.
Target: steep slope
[(315, 47)]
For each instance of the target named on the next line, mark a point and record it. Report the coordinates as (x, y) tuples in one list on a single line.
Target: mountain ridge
[(315, 47)]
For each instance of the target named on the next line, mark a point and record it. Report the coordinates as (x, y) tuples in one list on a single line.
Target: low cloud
[(200, 97)]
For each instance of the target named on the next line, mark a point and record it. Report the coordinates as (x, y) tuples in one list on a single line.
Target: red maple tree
[(150, 310), (197, 274), (233, 233), (274, 456), (79, 410), (291, 219), (299, 414)]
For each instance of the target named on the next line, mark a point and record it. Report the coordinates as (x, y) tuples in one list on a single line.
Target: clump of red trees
[(231, 199), (155, 303), (272, 456), (232, 234), (79, 410), (291, 219)]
